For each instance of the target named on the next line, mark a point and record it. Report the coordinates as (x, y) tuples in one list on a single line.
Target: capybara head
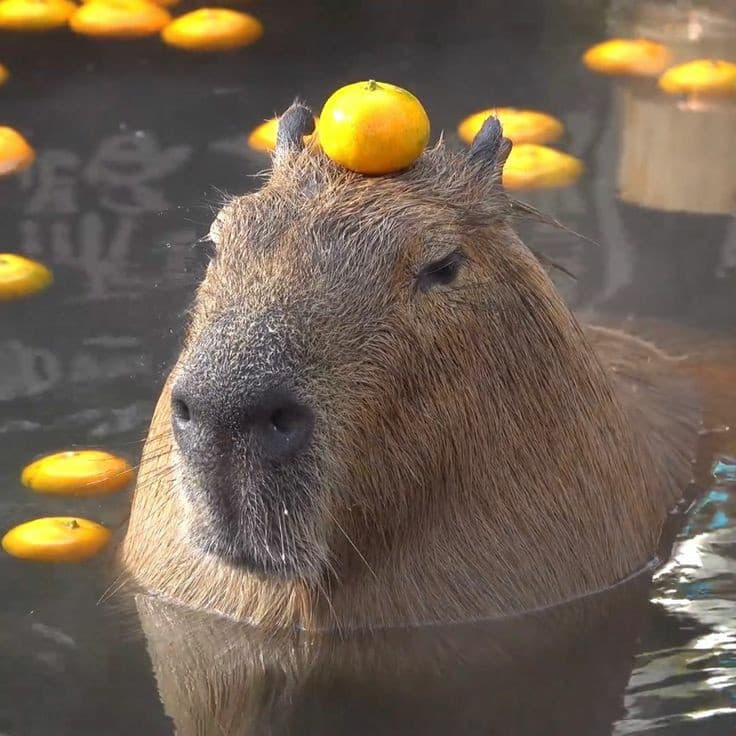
[(328, 366), (382, 396)]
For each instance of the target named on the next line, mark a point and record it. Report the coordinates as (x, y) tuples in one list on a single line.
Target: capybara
[(385, 414)]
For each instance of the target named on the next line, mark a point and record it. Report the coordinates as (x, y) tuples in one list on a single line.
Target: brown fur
[(479, 453)]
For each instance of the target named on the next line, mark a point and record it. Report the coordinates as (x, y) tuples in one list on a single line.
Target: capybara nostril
[(286, 428)]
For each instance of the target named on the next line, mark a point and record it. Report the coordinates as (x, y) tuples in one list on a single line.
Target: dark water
[(134, 143)]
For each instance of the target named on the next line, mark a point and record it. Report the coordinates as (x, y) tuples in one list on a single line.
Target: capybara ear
[(490, 149), (294, 124)]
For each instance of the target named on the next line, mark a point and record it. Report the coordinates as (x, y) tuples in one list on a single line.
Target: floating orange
[(263, 137), (120, 19), (162, 3), (4, 74), (15, 152), (701, 76), (78, 473), (20, 276), (212, 29), (532, 166), (34, 15), (629, 56), (373, 127), (521, 126), (56, 539)]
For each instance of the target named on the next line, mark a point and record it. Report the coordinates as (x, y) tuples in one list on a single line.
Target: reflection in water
[(30, 371), (123, 176), (558, 672)]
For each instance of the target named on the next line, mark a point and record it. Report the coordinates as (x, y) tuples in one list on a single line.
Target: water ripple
[(679, 689)]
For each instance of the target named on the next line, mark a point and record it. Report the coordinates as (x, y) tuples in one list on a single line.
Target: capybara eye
[(441, 272)]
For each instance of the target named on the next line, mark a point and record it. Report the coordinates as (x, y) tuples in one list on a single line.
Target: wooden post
[(678, 154)]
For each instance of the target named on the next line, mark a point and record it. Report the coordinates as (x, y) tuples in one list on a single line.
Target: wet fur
[(477, 452)]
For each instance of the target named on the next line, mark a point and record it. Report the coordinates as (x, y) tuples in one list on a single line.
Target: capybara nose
[(206, 422)]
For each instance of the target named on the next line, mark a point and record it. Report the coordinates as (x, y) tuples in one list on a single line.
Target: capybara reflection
[(557, 672), (384, 413)]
